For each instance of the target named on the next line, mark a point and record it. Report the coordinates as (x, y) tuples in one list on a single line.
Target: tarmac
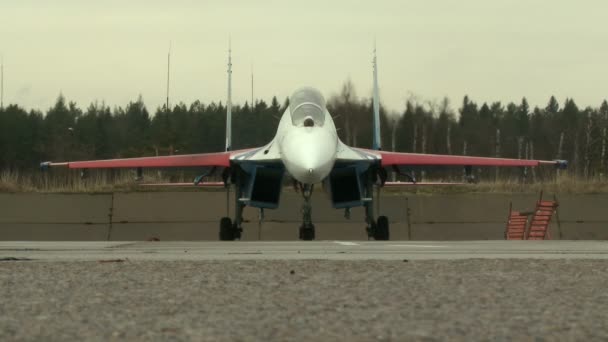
[(301, 250), (436, 280), (296, 291)]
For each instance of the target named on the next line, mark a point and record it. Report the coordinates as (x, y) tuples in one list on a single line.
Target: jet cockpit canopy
[(307, 107)]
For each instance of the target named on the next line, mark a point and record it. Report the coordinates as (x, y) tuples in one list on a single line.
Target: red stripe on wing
[(395, 158), (205, 159)]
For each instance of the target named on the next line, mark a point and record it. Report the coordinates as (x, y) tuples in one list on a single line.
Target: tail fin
[(376, 103), (229, 101)]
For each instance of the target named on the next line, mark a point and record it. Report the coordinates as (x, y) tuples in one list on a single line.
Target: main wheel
[(307, 232), (226, 229), (382, 232)]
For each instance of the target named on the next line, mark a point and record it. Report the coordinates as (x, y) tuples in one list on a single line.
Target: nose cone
[(309, 154)]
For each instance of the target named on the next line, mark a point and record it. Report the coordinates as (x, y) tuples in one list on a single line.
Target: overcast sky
[(113, 51)]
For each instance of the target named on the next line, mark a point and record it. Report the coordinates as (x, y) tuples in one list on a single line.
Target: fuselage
[(307, 138)]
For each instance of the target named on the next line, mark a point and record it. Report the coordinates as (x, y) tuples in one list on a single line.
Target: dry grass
[(565, 185), (69, 181)]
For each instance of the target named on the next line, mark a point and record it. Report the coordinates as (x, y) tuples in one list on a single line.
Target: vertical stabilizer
[(376, 104), (229, 101)]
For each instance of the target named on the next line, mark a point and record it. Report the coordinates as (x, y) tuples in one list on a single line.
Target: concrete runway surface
[(303, 291), (295, 250)]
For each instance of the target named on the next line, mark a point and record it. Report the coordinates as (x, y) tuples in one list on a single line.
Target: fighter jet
[(306, 148)]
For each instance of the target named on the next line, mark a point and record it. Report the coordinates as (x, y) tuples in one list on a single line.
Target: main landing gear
[(381, 231), (377, 229), (307, 229), (232, 230), (229, 231)]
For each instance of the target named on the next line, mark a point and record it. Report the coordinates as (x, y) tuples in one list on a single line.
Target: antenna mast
[(2, 82), (229, 101), (376, 103), (168, 74)]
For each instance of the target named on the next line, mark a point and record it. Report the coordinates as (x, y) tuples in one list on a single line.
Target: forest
[(511, 130)]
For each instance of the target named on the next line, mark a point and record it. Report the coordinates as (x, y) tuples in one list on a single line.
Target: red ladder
[(539, 226), (516, 224), (538, 229)]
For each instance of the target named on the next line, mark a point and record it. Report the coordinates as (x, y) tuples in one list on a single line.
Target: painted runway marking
[(346, 243), (420, 246)]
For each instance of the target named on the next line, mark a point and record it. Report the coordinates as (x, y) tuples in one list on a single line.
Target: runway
[(303, 250), (302, 291)]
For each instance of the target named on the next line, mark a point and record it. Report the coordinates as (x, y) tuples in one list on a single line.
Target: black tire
[(226, 230), (307, 232), (382, 232)]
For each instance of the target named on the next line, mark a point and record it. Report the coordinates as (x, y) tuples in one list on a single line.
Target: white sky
[(114, 50)]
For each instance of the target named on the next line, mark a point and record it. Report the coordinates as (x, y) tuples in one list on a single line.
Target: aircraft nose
[(308, 157)]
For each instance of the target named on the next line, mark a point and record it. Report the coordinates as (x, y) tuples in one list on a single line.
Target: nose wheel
[(307, 232)]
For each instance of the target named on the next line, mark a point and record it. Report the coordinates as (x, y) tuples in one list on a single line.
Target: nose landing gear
[(307, 229)]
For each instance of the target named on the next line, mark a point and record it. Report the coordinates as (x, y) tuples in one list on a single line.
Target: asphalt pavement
[(303, 291), (294, 250)]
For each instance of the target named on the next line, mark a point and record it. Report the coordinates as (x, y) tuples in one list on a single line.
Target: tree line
[(510, 130)]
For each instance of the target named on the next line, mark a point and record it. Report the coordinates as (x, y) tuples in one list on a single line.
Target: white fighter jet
[(307, 148)]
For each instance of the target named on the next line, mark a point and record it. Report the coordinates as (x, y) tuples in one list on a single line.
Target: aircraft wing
[(396, 159), (220, 159), (417, 159)]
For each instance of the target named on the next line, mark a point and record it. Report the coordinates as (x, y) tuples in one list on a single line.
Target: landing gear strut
[(307, 229), (229, 230), (378, 230)]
